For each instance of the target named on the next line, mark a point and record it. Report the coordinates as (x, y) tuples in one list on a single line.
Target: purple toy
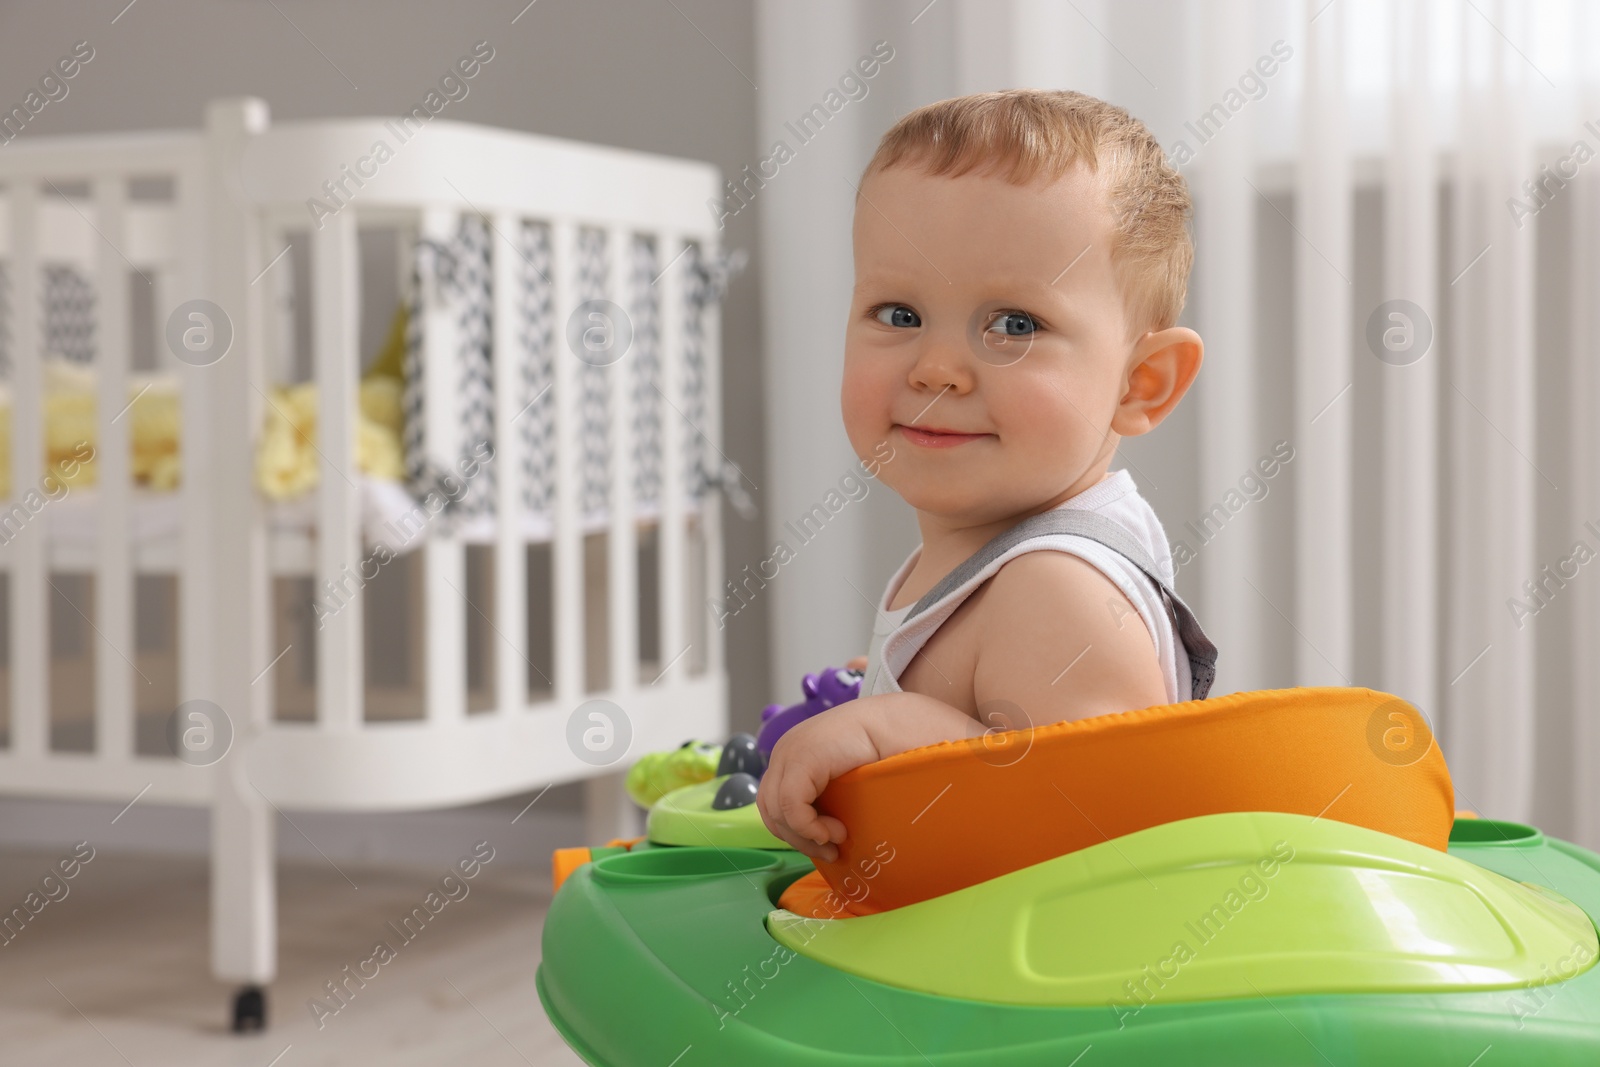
[(832, 686)]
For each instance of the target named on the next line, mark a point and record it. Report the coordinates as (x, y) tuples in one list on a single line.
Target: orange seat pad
[(814, 898), (935, 819)]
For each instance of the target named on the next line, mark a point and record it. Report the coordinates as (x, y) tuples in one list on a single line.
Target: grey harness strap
[(1096, 527)]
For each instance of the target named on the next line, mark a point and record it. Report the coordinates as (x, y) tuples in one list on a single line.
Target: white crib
[(581, 220)]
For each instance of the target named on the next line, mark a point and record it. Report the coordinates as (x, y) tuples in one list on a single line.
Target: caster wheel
[(249, 1009)]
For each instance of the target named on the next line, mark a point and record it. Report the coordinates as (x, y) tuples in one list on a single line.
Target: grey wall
[(644, 76)]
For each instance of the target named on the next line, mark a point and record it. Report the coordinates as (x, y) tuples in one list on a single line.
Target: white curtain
[(1397, 215)]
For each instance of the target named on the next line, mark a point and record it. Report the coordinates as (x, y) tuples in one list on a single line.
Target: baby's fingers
[(803, 844), (785, 805), (808, 834), (832, 827), (768, 806), (815, 834)]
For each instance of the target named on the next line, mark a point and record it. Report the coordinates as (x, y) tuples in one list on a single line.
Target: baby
[(1021, 259)]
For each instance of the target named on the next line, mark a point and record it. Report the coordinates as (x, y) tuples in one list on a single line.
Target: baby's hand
[(817, 751), (803, 762)]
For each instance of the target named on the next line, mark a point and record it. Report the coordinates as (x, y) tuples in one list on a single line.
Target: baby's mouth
[(937, 436)]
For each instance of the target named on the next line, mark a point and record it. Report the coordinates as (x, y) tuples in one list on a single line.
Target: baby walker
[(1274, 878)]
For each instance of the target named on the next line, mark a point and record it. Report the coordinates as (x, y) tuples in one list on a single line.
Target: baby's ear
[(1164, 365)]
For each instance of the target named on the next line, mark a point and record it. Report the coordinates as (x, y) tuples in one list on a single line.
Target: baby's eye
[(897, 315), (1014, 324)]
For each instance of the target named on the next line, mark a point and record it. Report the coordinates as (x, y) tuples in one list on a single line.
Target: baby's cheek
[(1032, 420), (864, 406), (1057, 418)]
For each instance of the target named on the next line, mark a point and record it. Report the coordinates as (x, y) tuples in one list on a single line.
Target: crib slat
[(114, 670), (445, 584), (510, 552), (340, 572), (567, 569), (1324, 575), (623, 583), (672, 542), (278, 323), (1231, 438), (239, 585), (1410, 408), (30, 650), (197, 622)]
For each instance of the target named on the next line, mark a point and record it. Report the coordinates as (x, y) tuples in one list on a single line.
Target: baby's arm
[(840, 739), (1060, 641)]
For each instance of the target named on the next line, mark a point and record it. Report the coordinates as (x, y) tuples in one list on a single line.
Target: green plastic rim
[(656, 866), (1478, 833), (686, 818), (1239, 904)]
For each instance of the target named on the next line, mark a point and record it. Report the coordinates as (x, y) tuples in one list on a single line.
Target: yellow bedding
[(287, 462)]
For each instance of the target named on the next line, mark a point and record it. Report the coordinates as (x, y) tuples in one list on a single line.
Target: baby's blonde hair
[(1024, 133)]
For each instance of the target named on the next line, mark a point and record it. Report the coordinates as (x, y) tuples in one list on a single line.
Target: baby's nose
[(941, 366)]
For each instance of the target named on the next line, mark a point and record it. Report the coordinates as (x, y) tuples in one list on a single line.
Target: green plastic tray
[(662, 956)]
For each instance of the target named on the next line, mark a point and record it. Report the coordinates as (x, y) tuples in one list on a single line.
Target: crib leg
[(244, 930), (249, 1009), (608, 810)]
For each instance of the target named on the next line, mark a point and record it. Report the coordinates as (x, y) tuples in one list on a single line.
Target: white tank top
[(895, 641)]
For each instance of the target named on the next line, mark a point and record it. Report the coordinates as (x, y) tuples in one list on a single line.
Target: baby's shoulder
[(1044, 573), (1043, 602), (1047, 585)]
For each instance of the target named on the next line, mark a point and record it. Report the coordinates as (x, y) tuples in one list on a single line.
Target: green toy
[(1243, 939), (659, 773), (688, 816)]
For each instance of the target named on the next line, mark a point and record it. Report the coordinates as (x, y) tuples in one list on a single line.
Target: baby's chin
[(978, 505)]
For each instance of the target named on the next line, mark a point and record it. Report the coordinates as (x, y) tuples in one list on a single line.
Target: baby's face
[(989, 310)]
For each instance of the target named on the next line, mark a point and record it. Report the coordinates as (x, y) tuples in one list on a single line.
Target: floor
[(116, 971)]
